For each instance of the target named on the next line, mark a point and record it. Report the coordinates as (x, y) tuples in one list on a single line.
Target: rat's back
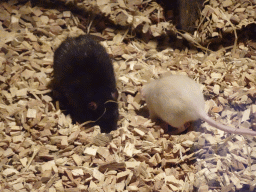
[(175, 99), (82, 56)]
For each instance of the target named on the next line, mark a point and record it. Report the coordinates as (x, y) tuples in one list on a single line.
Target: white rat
[(177, 100)]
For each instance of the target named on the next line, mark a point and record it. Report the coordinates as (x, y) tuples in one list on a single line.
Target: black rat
[(84, 82), (177, 99)]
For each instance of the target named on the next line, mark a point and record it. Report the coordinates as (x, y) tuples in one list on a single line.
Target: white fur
[(177, 99)]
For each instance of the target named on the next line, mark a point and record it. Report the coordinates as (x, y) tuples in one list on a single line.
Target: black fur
[(84, 81)]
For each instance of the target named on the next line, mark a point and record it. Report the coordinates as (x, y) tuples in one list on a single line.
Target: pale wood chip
[(41, 148)]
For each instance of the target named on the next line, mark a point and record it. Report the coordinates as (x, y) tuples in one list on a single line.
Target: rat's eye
[(92, 105), (114, 95)]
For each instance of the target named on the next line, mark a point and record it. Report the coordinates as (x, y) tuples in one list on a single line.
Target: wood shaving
[(40, 148)]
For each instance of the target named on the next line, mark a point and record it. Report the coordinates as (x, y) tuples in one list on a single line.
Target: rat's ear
[(114, 95), (92, 105)]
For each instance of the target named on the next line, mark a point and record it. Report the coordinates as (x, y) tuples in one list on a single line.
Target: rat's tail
[(229, 129)]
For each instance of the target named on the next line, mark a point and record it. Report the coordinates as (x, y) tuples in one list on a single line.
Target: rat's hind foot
[(176, 131)]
